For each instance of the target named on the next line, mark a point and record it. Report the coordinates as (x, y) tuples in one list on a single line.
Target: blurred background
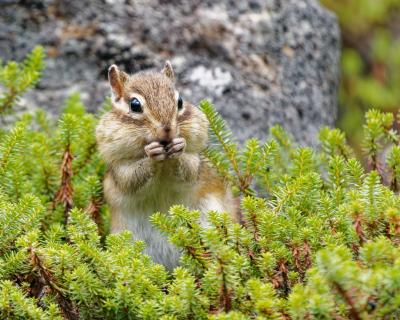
[(261, 62), (370, 63)]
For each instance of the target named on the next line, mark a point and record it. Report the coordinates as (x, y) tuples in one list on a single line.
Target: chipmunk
[(152, 141)]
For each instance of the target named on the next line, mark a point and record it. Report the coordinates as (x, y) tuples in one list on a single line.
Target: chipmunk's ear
[(117, 79), (168, 71)]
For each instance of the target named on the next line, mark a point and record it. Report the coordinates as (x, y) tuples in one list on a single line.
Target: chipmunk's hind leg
[(213, 202)]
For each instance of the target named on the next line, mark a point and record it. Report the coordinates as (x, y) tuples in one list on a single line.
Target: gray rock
[(261, 62)]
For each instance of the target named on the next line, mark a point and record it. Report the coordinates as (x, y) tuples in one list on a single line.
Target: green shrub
[(16, 78), (319, 237)]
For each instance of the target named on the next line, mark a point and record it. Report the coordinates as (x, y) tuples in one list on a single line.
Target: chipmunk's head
[(148, 100), (146, 108)]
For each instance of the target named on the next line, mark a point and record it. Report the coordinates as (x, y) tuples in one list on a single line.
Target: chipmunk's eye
[(136, 106), (180, 103)]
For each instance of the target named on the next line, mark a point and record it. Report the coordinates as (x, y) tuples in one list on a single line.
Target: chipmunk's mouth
[(164, 143)]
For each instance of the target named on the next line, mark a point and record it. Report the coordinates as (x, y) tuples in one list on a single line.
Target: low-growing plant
[(17, 78), (318, 238)]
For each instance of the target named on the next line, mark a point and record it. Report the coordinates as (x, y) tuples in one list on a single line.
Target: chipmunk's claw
[(155, 151), (176, 147)]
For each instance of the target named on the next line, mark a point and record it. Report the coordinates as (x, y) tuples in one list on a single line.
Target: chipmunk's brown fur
[(153, 157)]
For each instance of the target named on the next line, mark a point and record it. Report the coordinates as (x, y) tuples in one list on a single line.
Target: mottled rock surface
[(260, 61)]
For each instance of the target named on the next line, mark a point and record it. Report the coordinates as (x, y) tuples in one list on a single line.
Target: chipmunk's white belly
[(135, 209)]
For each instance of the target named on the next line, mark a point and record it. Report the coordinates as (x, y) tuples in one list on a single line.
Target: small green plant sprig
[(16, 78)]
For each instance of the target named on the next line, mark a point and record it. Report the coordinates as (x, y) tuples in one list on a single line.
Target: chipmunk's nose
[(167, 128), (165, 134)]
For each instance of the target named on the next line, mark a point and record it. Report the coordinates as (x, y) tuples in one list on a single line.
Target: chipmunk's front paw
[(155, 151), (176, 147)]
